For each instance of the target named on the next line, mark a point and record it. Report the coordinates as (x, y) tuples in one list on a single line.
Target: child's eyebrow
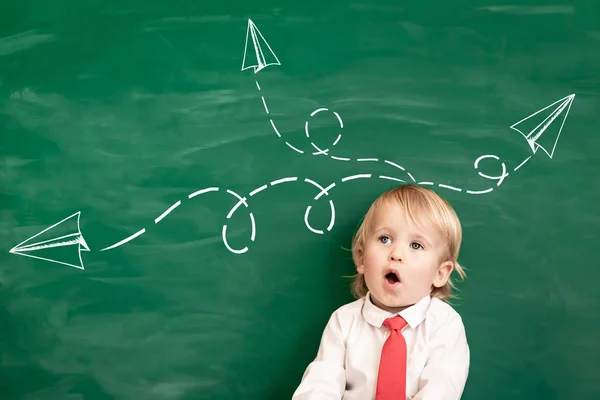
[(383, 228), (420, 236), (423, 238)]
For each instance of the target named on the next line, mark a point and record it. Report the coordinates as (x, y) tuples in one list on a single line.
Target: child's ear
[(359, 260), (443, 274)]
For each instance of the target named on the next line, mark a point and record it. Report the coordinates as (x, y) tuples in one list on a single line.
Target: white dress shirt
[(347, 361)]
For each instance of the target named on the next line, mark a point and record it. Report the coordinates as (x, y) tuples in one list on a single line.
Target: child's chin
[(392, 305), (397, 305)]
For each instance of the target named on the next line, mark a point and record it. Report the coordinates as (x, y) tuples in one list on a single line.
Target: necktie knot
[(395, 323)]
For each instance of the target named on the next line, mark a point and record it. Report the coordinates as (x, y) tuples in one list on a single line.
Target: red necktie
[(391, 379)]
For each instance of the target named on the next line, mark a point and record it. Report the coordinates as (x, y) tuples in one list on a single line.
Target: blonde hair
[(422, 205)]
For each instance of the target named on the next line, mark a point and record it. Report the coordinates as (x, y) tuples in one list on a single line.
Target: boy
[(404, 252)]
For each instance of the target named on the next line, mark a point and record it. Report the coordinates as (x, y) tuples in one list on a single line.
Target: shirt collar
[(413, 315)]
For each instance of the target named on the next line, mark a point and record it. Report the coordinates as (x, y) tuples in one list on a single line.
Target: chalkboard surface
[(180, 182)]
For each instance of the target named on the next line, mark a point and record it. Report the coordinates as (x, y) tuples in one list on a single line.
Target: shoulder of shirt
[(346, 315), (442, 313), (350, 309)]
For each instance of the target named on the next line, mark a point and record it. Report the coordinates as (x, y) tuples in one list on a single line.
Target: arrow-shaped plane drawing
[(260, 49), (51, 239), (536, 127)]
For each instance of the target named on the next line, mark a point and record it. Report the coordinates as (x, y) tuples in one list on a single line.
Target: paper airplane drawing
[(258, 54), (540, 128), (55, 243)]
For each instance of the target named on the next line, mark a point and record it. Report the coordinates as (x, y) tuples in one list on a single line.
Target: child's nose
[(395, 255)]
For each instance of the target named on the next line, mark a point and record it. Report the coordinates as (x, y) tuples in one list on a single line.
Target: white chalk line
[(450, 187), (240, 198), (523, 163), (258, 189), (394, 164), (359, 176), (253, 235), (322, 191), (168, 210), (312, 114), (314, 183), (428, 183), (52, 243), (239, 203), (480, 191), (319, 151), (51, 260), (127, 239), (330, 226), (282, 180), (325, 191), (160, 217), (339, 119), (275, 128), (318, 231), (391, 178), (211, 189), (326, 152), (243, 201), (441, 185), (231, 249), (293, 148)]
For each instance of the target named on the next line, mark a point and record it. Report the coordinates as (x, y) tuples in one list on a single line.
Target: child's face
[(401, 260)]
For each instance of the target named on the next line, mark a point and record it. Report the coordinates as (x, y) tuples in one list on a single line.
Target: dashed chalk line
[(326, 152), (349, 178), (293, 148), (168, 210), (523, 163), (258, 189), (450, 187), (243, 201), (127, 239), (211, 189)]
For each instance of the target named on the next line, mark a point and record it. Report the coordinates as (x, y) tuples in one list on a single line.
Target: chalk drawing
[(29, 246), (539, 130), (542, 121), (73, 239), (534, 136), (260, 55)]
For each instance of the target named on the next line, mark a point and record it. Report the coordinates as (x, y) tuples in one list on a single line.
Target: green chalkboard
[(180, 182)]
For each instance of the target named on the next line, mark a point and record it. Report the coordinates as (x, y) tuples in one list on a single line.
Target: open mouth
[(392, 277)]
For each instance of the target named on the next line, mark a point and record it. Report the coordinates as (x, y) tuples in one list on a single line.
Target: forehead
[(392, 215)]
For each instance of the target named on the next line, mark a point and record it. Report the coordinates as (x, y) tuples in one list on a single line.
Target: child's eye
[(384, 239), (416, 246)]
